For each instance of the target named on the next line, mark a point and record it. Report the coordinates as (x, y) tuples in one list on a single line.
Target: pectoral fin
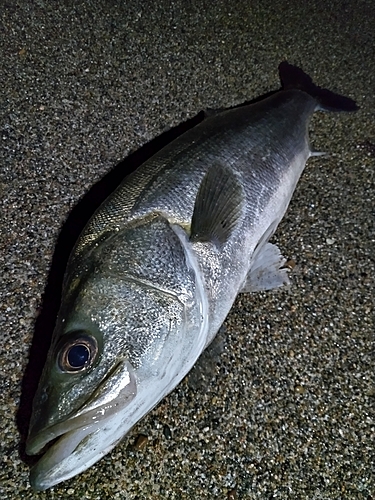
[(218, 206), (265, 272)]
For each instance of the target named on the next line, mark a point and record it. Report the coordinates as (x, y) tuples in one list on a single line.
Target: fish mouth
[(73, 435)]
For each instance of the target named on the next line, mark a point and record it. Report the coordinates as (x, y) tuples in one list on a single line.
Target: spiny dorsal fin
[(218, 206)]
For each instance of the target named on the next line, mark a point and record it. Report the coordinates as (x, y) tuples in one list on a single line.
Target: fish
[(156, 270)]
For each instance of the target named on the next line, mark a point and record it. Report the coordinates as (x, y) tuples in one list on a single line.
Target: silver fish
[(158, 267)]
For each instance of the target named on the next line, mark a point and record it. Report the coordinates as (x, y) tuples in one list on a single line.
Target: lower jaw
[(45, 472)]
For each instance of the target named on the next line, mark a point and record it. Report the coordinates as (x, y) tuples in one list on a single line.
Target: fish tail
[(293, 77)]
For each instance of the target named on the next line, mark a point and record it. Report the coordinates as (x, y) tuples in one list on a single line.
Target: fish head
[(114, 352), (86, 380)]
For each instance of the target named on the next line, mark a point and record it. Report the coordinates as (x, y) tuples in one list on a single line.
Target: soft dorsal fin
[(218, 206)]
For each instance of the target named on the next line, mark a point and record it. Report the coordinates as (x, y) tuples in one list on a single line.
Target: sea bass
[(158, 267)]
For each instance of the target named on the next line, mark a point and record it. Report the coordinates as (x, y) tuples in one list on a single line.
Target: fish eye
[(77, 352)]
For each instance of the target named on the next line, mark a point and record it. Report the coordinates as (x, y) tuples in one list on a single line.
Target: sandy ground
[(285, 408)]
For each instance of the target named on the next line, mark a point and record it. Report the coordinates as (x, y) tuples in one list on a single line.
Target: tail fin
[(293, 77)]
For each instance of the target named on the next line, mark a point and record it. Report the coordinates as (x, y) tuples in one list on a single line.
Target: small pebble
[(140, 442)]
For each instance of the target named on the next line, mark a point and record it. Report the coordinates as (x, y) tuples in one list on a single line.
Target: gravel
[(286, 409)]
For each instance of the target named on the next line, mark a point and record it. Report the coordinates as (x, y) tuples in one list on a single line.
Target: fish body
[(158, 267)]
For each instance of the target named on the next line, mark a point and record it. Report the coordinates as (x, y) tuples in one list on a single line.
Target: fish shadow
[(67, 238)]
